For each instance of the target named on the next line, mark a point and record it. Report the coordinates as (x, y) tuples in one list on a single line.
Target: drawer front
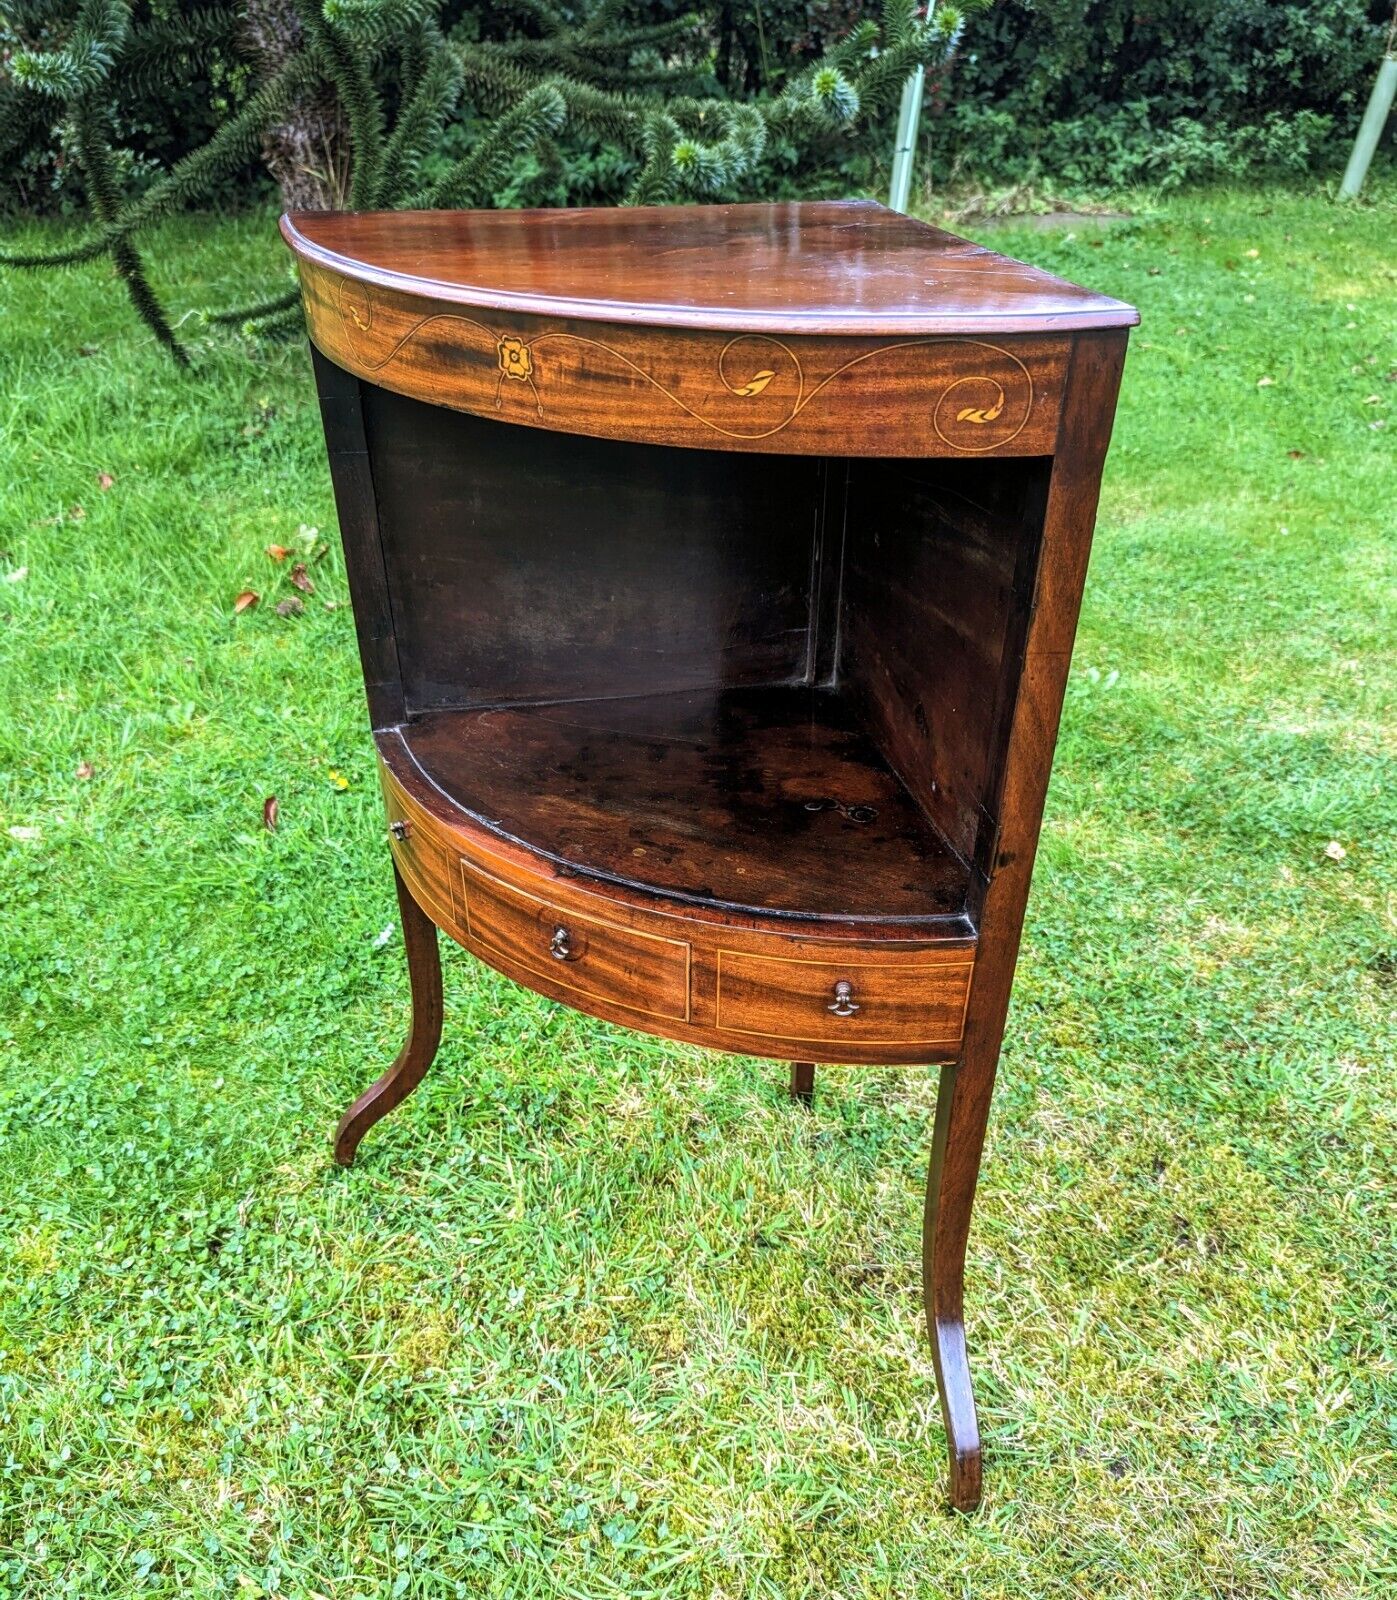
[(864, 1002), (421, 861), (585, 955)]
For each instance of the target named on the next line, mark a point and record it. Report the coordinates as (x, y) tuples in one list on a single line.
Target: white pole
[(908, 116), (1374, 121)]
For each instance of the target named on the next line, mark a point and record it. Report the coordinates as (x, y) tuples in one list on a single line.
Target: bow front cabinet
[(715, 572)]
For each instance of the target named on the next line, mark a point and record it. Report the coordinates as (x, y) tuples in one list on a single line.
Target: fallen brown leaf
[(245, 601), (76, 513), (105, 481), (1296, 455), (278, 552), (292, 606), (301, 579), (270, 811), (84, 770)]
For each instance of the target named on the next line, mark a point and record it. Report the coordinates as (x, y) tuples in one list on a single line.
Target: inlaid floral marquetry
[(516, 360), (752, 391)]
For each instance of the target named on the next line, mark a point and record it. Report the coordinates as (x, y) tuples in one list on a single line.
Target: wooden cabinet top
[(829, 267)]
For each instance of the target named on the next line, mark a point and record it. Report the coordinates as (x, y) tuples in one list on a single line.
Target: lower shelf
[(512, 828), (766, 800)]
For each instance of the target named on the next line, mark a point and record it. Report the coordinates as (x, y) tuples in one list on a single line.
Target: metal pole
[(1374, 121), (908, 116)]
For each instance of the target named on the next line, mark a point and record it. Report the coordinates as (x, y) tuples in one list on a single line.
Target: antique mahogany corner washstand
[(716, 571)]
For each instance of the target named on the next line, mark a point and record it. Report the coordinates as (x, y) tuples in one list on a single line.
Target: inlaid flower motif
[(515, 360), (982, 414)]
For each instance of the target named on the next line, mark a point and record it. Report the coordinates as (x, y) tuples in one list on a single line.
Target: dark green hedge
[(1118, 92)]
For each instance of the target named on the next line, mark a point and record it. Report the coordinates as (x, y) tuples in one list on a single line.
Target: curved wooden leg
[(962, 1110), (424, 976), (803, 1081)]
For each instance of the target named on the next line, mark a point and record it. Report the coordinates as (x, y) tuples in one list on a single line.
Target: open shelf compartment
[(772, 684)]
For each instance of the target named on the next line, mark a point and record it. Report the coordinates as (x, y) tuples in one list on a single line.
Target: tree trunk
[(307, 152)]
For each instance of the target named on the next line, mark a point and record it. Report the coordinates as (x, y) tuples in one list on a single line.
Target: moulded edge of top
[(1097, 311)]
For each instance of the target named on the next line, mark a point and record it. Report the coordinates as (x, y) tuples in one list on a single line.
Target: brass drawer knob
[(843, 1005), (400, 829), (561, 946)]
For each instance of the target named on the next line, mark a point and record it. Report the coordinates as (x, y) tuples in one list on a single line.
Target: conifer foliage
[(381, 82)]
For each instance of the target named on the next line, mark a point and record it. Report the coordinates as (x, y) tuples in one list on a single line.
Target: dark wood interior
[(761, 799), (768, 682), (528, 566), (939, 561)]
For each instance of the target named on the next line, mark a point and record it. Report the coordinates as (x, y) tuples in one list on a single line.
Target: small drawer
[(641, 972), (863, 1002), (421, 860)]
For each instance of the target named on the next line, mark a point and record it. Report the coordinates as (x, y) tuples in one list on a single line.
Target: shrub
[(1117, 92)]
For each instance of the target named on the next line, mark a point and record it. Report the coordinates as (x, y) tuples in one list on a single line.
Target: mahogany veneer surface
[(837, 327), (717, 976), (765, 799), (838, 266)]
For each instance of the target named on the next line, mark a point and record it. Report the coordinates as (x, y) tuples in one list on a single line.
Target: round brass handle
[(400, 829), (561, 946), (843, 1005)]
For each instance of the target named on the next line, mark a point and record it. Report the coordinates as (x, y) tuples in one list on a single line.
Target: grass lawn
[(597, 1315)]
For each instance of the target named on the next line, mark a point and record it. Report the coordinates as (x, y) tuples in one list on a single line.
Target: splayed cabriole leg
[(424, 975), (803, 1081), (962, 1109)]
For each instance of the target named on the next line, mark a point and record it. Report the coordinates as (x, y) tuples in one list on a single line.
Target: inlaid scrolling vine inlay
[(980, 398)]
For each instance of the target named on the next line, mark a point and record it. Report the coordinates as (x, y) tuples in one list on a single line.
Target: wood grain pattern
[(527, 566), (838, 1003), (938, 557), (799, 394), (770, 800), (594, 958), (459, 862), (418, 856), (841, 267), (1036, 704)]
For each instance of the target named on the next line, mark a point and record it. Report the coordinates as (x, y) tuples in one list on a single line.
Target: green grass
[(598, 1315)]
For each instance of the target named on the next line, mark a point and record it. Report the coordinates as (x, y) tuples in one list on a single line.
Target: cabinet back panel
[(528, 566), (938, 564)]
